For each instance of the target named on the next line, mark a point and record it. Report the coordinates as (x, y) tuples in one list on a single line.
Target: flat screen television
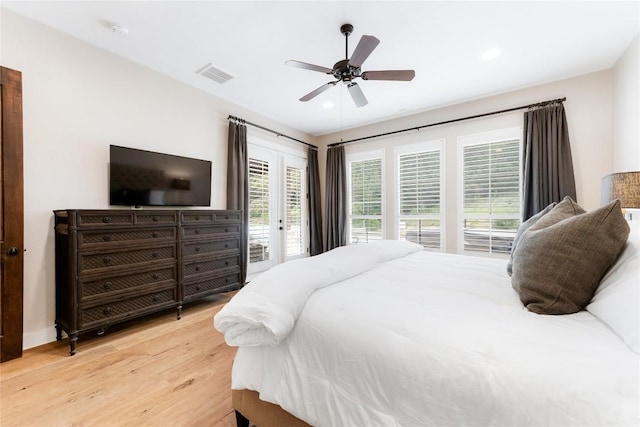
[(145, 178)]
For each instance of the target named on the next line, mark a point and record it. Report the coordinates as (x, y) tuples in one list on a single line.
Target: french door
[(277, 208)]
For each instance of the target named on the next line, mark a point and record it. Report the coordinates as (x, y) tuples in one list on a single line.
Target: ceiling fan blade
[(311, 67), (317, 92), (363, 50), (400, 75), (356, 94)]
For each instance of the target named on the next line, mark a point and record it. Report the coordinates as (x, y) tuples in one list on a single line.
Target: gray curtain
[(336, 199), (238, 186), (547, 165), (315, 212)]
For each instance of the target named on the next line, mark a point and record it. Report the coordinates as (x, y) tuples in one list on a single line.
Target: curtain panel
[(238, 186), (547, 164), (336, 199), (315, 212)]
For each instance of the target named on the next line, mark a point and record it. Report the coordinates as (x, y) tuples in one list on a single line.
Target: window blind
[(259, 199), (419, 198), (491, 195), (294, 199), (366, 200)]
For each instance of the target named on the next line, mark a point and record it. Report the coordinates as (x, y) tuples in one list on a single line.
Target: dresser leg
[(73, 339), (179, 311), (58, 333)]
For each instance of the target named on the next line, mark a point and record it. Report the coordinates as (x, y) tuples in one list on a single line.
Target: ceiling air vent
[(215, 74)]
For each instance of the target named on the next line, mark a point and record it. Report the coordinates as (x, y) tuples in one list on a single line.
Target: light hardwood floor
[(157, 371)]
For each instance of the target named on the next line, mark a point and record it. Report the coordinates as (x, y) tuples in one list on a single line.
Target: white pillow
[(617, 299)]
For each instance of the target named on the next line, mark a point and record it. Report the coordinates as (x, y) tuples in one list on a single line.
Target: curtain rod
[(538, 104), (270, 130)]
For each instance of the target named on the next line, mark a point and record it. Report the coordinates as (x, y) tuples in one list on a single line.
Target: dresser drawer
[(90, 262), (207, 266), (115, 237), (169, 217), (104, 218), (198, 217), (231, 217), (209, 230), (190, 250), (109, 285), (118, 310), (197, 289)]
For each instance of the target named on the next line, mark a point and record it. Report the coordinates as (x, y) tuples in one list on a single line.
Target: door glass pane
[(294, 200), (259, 208)]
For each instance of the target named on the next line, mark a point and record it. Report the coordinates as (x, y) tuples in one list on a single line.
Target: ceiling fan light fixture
[(348, 69)]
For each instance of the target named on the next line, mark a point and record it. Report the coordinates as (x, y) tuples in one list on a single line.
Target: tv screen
[(144, 178)]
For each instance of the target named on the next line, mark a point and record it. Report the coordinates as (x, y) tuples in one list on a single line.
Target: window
[(259, 210), (419, 215), (365, 197), (295, 200), (490, 194)]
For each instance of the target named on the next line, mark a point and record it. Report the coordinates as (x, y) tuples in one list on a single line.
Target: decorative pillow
[(560, 260), (617, 300), (524, 227)]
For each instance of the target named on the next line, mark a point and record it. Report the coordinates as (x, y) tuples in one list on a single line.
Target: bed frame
[(249, 407)]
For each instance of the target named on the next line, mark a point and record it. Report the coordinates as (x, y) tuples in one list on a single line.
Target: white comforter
[(435, 339)]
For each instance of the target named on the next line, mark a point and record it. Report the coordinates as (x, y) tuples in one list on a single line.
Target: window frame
[(359, 157), (494, 136), (417, 148)]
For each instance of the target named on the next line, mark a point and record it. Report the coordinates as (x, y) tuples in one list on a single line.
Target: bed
[(387, 334)]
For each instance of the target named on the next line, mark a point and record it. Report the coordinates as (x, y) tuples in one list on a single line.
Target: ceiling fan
[(348, 69)]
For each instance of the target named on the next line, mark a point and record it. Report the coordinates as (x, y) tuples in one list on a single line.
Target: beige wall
[(626, 110), (77, 100), (589, 115)]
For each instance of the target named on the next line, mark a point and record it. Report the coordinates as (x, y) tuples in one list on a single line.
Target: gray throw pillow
[(524, 227), (560, 260)]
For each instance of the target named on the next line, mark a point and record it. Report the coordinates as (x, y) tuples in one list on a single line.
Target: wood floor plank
[(156, 372)]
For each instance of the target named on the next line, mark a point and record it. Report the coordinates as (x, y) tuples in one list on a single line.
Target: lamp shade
[(624, 186)]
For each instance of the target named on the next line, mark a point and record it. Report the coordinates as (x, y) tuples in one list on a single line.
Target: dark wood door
[(11, 215)]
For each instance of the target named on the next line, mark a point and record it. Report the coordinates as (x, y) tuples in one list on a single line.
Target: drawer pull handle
[(226, 230), (198, 288), (197, 268), (226, 217), (226, 279), (197, 218), (106, 238), (155, 234), (155, 276), (155, 298), (107, 311), (197, 231), (197, 248), (106, 219), (226, 245), (106, 260), (226, 263), (107, 285), (155, 218), (154, 254)]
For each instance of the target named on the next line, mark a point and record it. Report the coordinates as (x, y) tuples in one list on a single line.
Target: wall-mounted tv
[(145, 178)]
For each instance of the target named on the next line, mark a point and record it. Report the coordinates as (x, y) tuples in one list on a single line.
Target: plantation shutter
[(419, 198), (366, 200), (294, 200), (491, 195), (259, 208)]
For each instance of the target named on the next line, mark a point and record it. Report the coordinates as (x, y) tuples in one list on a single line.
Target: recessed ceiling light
[(491, 54), (328, 105)]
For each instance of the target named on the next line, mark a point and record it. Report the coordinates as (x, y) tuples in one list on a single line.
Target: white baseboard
[(36, 338)]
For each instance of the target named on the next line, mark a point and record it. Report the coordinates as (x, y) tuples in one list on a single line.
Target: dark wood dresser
[(115, 265)]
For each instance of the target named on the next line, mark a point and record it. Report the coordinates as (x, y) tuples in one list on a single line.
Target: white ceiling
[(540, 41)]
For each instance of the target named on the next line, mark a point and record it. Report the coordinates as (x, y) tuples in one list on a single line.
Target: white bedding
[(436, 339)]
